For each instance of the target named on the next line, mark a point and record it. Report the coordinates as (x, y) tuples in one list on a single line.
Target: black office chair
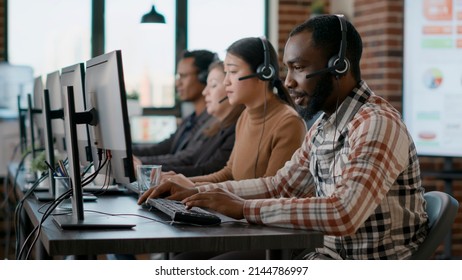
[(442, 210)]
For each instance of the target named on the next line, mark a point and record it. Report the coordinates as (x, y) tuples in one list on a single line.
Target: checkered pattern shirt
[(356, 178)]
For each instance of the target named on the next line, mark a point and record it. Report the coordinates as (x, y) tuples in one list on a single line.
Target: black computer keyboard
[(177, 211)]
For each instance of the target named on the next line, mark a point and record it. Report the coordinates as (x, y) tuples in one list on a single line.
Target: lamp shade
[(153, 17)]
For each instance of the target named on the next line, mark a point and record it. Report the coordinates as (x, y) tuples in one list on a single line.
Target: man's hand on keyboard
[(172, 189), (219, 200)]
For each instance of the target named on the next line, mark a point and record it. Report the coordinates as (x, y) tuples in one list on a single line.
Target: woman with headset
[(213, 150), (268, 131)]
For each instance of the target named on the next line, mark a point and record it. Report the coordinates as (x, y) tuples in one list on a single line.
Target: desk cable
[(46, 214), (38, 228)]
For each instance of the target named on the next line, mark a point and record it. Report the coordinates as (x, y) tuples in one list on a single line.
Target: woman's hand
[(170, 189), (166, 175)]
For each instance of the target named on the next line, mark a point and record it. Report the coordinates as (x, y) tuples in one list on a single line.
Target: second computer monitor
[(37, 124), (105, 94), (53, 85), (74, 76)]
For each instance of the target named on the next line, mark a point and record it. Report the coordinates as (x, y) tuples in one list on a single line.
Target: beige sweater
[(283, 133)]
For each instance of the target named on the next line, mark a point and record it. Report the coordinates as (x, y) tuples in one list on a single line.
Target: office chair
[(441, 210)]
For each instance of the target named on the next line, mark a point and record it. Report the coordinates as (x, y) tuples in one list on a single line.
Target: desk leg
[(279, 254), (85, 257)]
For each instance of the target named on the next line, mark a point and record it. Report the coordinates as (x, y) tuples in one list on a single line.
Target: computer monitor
[(37, 101), (52, 116), (53, 85), (105, 93), (35, 119), (107, 116), (49, 149), (22, 116), (74, 76)]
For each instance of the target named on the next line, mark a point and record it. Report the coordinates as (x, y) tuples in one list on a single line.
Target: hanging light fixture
[(153, 17)]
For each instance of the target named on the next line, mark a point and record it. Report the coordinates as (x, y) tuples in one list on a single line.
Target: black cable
[(261, 135), (20, 165), (335, 131), (92, 177), (37, 229), (333, 150), (18, 210)]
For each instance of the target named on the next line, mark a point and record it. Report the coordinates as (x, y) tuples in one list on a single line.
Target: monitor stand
[(70, 222)]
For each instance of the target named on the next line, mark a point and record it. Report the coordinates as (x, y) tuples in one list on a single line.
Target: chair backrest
[(441, 210)]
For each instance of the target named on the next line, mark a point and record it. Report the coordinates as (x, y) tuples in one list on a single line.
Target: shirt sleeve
[(146, 150)]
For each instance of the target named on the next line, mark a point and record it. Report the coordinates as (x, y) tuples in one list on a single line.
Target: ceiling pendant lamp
[(153, 17)]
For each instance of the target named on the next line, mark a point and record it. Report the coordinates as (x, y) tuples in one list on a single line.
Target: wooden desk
[(153, 237)]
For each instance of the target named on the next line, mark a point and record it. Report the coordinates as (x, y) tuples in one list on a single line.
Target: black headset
[(337, 65), (203, 74), (265, 71)]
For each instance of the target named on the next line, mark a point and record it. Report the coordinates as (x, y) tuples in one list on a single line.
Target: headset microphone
[(223, 99), (320, 72), (248, 76), (265, 71)]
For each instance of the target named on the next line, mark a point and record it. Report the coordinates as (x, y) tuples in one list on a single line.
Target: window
[(216, 24), (148, 50), (51, 34), (48, 34)]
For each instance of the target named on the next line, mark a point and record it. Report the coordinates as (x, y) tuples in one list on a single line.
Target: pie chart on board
[(433, 78)]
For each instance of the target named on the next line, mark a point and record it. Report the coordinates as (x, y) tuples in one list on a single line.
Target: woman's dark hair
[(326, 35), (231, 118), (251, 51)]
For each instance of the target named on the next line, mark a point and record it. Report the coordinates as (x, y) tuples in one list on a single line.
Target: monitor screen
[(432, 76), (36, 123), (105, 94), (37, 104), (74, 76), (53, 85)]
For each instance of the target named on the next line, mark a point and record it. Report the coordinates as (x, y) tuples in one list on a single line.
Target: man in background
[(191, 79)]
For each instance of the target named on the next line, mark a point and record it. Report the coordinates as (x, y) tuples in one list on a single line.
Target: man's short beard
[(323, 89)]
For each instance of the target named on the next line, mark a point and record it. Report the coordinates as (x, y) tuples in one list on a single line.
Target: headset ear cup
[(202, 77), (266, 73), (338, 71)]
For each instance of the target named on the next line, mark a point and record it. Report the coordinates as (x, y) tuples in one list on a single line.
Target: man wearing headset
[(191, 79), (356, 177)]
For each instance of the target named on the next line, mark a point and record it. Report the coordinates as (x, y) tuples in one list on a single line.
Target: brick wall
[(380, 23), (291, 13)]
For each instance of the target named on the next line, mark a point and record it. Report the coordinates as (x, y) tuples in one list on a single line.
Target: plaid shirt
[(356, 178)]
